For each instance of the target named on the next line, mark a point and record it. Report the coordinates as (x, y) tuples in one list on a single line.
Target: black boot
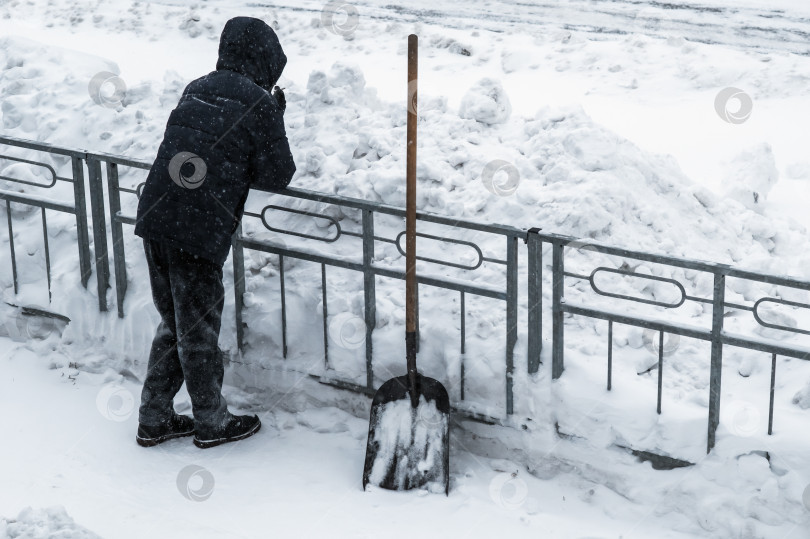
[(176, 427), (238, 427)]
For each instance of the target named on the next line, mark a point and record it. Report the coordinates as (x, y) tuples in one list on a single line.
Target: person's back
[(225, 136)]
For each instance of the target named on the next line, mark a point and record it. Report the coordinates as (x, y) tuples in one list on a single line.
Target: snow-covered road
[(782, 25)]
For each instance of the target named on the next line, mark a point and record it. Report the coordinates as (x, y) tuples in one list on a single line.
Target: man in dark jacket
[(225, 136)]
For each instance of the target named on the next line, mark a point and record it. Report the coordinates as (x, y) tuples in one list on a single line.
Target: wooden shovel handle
[(410, 206), (410, 216)]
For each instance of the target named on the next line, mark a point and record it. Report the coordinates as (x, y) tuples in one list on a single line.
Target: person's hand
[(278, 93)]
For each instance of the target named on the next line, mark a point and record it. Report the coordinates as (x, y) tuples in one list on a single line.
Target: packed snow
[(409, 443), (42, 524), (598, 121)]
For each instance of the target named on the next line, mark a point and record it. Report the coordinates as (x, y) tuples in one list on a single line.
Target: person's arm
[(272, 162)]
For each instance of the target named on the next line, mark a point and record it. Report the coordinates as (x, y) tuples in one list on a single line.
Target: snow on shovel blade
[(409, 447)]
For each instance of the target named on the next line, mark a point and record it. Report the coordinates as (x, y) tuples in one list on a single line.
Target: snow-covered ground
[(298, 477), (583, 98)]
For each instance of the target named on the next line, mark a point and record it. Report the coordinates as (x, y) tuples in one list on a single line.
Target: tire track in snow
[(764, 30)]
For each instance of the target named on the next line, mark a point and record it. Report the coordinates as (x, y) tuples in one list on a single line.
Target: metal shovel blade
[(409, 447)]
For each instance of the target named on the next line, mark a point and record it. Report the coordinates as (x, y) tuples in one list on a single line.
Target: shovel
[(409, 431)]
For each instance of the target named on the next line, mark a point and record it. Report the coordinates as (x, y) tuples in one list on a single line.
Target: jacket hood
[(250, 47)]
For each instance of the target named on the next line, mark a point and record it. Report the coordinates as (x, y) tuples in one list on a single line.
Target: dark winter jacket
[(225, 136)]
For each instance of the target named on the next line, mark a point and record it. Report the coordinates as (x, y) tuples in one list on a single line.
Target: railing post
[(773, 387), (558, 328), (718, 309), (80, 205), (369, 292), (418, 333), (511, 317), (99, 231), (463, 343), (47, 251), (325, 317), (238, 284), (11, 246), (283, 289), (119, 257), (535, 298)]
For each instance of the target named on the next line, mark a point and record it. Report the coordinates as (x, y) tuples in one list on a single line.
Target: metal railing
[(714, 334), (455, 231), (365, 264), (44, 202), (117, 218)]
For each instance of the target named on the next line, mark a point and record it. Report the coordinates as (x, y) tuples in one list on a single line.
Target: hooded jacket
[(225, 136)]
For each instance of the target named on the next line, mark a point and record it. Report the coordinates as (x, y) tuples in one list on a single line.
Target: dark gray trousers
[(189, 296)]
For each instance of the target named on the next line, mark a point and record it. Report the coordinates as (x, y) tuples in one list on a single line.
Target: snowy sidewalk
[(290, 480)]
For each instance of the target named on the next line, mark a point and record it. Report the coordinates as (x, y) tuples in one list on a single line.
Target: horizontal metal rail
[(692, 332), (686, 263), (42, 147), (377, 207), (40, 202)]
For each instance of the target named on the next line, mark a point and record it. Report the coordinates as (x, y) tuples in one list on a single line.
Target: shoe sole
[(152, 442), (205, 444)]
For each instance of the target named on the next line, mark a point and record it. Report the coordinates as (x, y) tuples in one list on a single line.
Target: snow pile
[(486, 102), (52, 522), (752, 176), (47, 96), (575, 177)]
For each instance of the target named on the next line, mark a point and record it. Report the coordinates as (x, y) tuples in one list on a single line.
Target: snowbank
[(43, 524)]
